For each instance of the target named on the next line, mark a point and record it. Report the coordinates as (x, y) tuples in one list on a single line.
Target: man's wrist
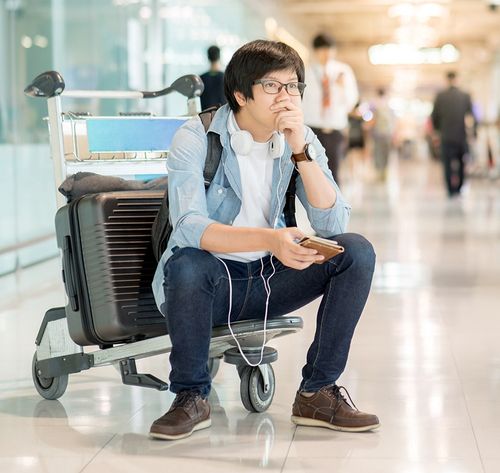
[(267, 236), (298, 148)]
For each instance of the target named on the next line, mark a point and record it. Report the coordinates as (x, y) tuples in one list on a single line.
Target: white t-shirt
[(343, 98), (256, 172)]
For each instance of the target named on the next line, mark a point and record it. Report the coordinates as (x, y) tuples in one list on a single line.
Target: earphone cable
[(267, 288)]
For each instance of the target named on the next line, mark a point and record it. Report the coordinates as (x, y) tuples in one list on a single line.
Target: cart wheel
[(241, 369), (48, 388), (213, 366), (252, 388)]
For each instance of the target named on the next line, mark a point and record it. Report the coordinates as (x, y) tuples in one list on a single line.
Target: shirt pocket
[(215, 196), (222, 204)]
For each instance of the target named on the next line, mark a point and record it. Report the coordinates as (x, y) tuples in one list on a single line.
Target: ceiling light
[(401, 10), (398, 54), (449, 53), (422, 11), (41, 41), (145, 13), (271, 26), (432, 10), (26, 42)]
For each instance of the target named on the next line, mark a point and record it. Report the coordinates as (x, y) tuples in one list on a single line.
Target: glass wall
[(95, 44)]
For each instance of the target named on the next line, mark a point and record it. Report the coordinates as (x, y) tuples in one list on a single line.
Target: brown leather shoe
[(329, 408), (189, 412)]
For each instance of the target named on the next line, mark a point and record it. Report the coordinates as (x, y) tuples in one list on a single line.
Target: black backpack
[(162, 226)]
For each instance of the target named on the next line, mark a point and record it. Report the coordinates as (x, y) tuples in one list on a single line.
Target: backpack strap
[(289, 208), (207, 115), (214, 146)]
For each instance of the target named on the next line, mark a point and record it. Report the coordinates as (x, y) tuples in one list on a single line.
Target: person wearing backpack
[(230, 257)]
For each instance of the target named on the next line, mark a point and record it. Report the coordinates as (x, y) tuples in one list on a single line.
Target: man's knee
[(358, 249), (189, 267)]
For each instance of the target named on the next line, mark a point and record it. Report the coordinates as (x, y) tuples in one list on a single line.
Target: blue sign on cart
[(115, 135)]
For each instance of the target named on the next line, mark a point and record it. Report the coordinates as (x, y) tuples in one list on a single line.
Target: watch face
[(310, 152)]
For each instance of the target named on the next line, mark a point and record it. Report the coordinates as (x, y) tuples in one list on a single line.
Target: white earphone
[(277, 145), (242, 140), (242, 143)]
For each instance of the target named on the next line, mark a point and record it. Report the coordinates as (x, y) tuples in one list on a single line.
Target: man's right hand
[(283, 245)]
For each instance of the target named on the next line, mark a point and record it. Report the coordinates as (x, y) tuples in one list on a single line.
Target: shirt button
[(220, 191)]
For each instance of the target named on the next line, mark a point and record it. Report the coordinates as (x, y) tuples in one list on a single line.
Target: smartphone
[(327, 248)]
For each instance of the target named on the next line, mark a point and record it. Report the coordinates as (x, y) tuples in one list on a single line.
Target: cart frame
[(57, 355)]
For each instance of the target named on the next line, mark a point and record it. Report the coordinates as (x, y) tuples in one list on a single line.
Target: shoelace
[(336, 391), (185, 399)]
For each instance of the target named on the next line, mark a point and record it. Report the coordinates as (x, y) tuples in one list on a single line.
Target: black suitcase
[(108, 266)]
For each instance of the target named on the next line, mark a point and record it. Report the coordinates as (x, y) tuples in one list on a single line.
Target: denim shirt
[(193, 208)]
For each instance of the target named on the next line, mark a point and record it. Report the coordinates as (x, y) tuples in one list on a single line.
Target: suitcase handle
[(68, 276)]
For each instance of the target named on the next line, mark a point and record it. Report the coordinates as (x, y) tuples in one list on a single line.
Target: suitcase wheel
[(255, 396), (48, 388)]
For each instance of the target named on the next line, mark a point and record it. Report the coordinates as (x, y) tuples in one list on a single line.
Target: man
[(382, 133), (451, 108), (213, 94), (331, 94), (236, 228)]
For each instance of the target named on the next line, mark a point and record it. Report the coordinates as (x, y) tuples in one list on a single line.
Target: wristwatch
[(309, 154)]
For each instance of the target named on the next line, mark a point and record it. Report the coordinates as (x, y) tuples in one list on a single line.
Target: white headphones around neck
[(242, 141)]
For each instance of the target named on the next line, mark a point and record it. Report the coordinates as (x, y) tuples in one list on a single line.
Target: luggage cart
[(107, 262)]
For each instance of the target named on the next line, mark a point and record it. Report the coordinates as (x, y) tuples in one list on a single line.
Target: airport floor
[(425, 358)]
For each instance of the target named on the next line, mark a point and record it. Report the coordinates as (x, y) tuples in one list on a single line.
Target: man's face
[(258, 109), (324, 54)]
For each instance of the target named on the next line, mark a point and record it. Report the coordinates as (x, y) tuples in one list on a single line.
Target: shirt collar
[(219, 123)]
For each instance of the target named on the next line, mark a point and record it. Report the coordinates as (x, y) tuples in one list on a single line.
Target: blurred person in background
[(213, 94), (356, 131), (451, 109), (382, 133), (406, 135), (357, 149), (432, 140), (330, 96)]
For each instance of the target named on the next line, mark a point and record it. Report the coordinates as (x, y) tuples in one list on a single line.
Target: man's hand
[(290, 121), (284, 247)]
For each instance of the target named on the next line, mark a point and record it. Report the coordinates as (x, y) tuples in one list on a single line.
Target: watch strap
[(303, 156), (299, 157)]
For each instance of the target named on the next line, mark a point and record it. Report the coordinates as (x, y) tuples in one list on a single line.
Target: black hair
[(253, 61), (213, 53), (323, 40), (380, 91), (451, 75)]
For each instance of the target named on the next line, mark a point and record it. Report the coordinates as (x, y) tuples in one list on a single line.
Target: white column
[(154, 56), (58, 35), (4, 41)]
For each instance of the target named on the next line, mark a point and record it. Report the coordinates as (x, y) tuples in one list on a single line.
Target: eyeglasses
[(274, 87)]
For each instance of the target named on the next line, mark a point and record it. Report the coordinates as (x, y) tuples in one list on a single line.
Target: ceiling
[(473, 26)]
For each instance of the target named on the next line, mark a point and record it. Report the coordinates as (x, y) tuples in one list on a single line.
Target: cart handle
[(50, 84)]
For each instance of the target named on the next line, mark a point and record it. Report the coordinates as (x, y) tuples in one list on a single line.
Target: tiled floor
[(425, 358)]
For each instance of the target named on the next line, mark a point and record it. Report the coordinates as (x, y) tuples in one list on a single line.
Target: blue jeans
[(197, 299)]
